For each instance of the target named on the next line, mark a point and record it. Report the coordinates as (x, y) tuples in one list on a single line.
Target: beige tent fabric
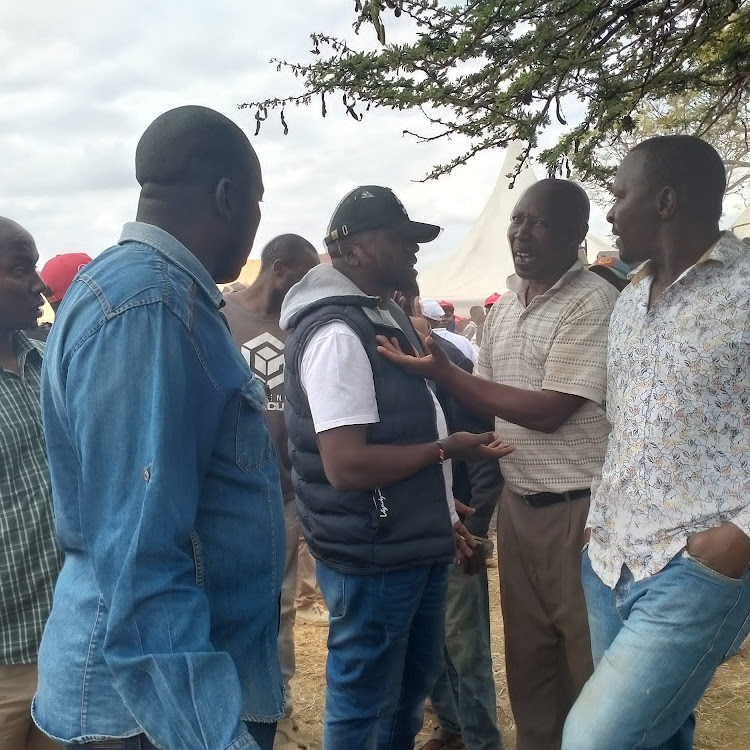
[(482, 263)]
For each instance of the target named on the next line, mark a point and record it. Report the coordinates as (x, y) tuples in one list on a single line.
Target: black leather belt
[(543, 499)]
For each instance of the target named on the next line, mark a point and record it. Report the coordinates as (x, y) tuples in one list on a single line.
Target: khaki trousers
[(547, 646), (17, 730)]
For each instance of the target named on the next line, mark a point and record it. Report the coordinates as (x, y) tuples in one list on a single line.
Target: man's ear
[(666, 202), (223, 198)]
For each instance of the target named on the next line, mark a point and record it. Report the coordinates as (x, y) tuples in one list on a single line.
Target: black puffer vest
[(389, 528)]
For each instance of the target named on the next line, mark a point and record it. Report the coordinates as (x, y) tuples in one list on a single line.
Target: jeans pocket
[(253, 444), (710, 572), (333, 585)]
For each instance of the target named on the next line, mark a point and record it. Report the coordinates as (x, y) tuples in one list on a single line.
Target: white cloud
[(81, 80)]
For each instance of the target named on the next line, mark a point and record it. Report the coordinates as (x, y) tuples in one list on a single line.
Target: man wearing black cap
[(370, 454)]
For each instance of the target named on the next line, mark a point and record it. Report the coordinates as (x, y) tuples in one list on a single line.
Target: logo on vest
[(265, 355)]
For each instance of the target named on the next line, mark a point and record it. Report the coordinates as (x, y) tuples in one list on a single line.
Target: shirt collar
[(725, 250), (518, 285), (174, 251), (23, 346)]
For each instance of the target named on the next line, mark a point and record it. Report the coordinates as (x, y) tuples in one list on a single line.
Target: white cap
[(431, 309)]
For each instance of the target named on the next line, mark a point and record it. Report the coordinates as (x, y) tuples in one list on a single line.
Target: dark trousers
[(464, 696), (547, 646)]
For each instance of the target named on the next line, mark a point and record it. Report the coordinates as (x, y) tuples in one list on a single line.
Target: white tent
[(741, 226), (482, 263)]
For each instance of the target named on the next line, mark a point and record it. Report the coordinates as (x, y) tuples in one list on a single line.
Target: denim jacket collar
[(175, 251)]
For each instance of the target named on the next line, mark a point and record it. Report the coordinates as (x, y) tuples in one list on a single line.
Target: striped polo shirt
[(557, 342)]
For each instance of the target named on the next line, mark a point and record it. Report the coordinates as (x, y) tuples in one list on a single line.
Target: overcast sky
[(81, 81)]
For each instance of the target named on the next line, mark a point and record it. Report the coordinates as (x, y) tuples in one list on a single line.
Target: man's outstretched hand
[(469, 446), (434, 365), (464, 540)]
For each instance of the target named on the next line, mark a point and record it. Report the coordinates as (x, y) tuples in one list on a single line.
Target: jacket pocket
[(253, 442)]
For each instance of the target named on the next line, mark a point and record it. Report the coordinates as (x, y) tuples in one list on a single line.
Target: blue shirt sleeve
[(144, 415)]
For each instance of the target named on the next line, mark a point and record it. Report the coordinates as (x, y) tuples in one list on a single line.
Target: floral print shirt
[(678, 398)]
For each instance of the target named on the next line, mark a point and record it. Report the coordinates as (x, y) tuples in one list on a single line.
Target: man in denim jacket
[(165, 485)]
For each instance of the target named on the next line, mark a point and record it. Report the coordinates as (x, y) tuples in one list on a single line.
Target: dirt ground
[(723, 714)]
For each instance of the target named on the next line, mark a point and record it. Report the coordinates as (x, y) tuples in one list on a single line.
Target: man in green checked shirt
[(29, 558)]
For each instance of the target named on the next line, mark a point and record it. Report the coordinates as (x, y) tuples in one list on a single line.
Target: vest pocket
[(253, 443)]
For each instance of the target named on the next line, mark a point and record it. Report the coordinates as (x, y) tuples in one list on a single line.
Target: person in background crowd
[(432, 313), (448, 318), (544, 351), (310, 609), (29, 557), (613, 270), (666, 570), (58, 274), (464, 698), (475, 327), (490, 301), (164, 624), (253, 317), (370, 451)]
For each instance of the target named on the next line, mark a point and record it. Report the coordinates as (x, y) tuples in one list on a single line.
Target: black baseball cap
[(375, 207)]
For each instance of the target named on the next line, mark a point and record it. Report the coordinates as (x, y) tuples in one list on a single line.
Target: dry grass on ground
[(723, 714)]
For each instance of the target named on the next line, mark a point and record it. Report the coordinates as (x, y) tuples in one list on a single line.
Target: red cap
[(445, 304), (492, 299), (58, 273)]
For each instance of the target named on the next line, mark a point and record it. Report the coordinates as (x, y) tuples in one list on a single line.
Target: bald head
[(201, 182), (191, 146), (565, 198), (547, 226), (13, 236)]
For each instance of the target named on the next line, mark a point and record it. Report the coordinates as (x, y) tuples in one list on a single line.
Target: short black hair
[(690, 166), (289, 248), (193, 145), (570, 198)]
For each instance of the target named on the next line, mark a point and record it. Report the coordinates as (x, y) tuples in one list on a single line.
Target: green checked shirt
[(29, 558)]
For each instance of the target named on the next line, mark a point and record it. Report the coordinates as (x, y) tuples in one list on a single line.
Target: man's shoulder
[(124, 279), (592, 292)]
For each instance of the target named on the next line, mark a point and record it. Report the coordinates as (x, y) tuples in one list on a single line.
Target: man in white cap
[(433, 314)]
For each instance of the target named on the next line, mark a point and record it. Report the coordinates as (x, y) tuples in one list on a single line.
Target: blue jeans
[(656, 645), (464, 695), (385, 644), (263, 735)]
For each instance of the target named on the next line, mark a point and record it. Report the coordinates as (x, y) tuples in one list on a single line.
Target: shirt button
[(146, 475)]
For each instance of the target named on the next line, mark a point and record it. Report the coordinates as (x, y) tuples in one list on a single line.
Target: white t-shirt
[(460, 342), (337, 377)]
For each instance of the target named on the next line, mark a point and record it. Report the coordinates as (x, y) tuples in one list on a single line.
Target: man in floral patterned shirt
[(666, 570)]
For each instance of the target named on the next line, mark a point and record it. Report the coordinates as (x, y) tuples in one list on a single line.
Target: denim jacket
[(167, 508)]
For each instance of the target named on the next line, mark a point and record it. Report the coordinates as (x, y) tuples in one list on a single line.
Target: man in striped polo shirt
[(544, 353)]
